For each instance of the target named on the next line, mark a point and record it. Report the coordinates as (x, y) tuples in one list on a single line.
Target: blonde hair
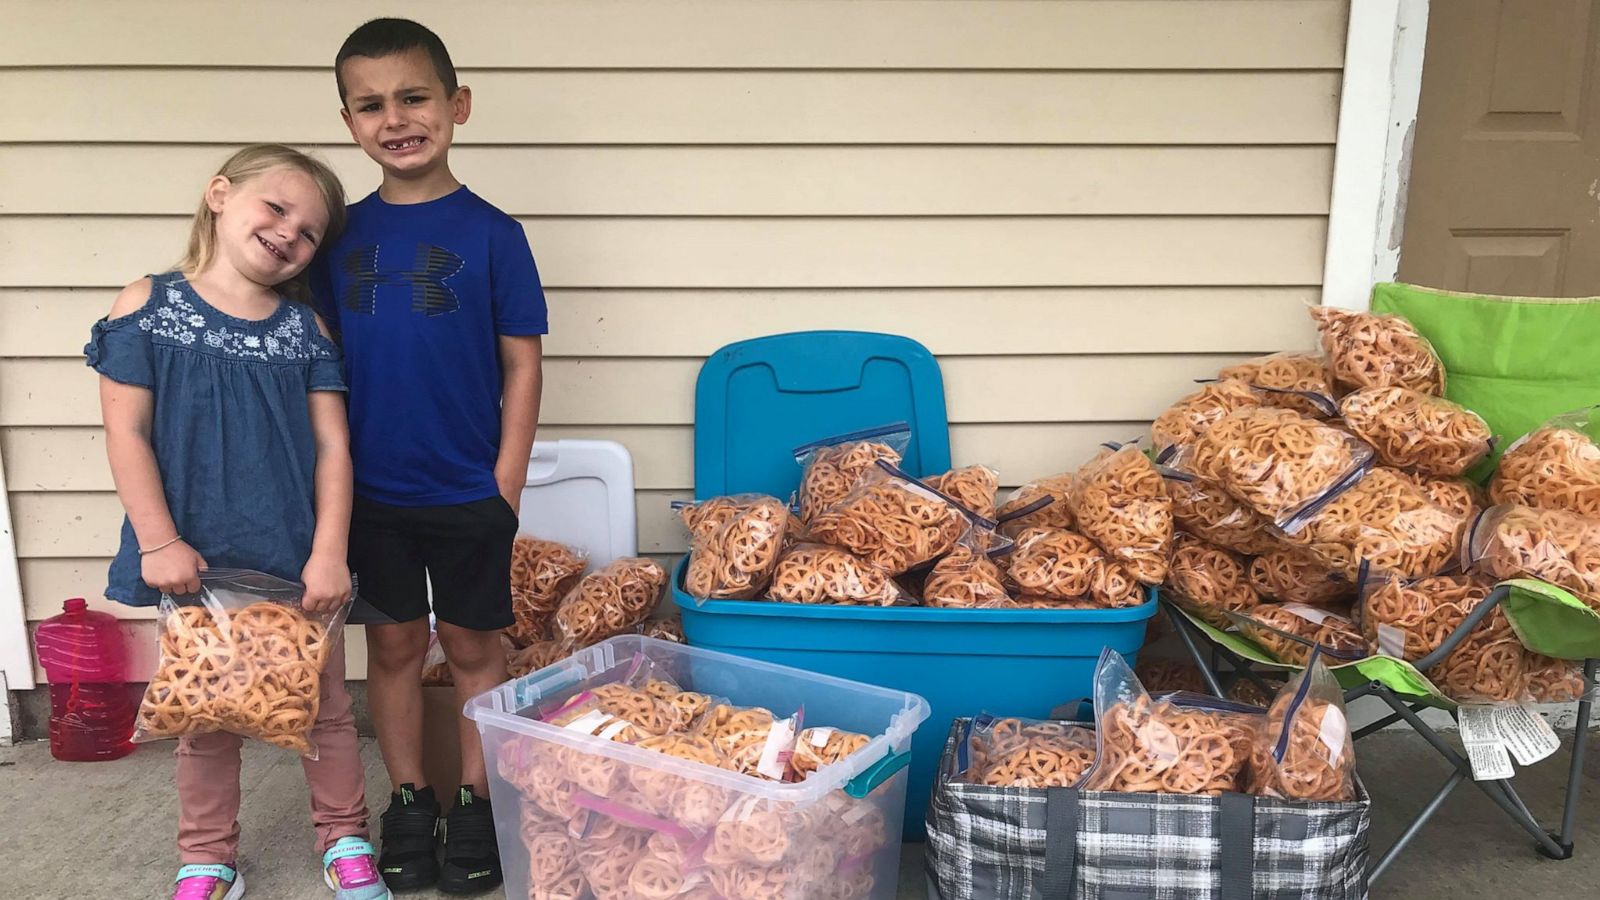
[(248, 163)]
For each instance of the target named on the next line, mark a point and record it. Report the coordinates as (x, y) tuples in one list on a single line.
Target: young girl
[(225, 425)]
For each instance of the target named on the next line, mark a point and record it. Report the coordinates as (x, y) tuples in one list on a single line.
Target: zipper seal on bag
[(917, 483), (1300, 694), (849, 436), (1308, 511), (1037, 504), (1245, 619), (1322, 402), (1468, 555), (1193, 700)]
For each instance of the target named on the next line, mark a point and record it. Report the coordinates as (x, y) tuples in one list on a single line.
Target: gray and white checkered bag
[(988, 843)]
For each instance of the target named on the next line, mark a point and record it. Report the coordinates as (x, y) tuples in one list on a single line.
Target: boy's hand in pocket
[(327, 581)]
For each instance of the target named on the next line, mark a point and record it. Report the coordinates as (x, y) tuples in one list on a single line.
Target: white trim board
[(1372, 157), (16, 660)]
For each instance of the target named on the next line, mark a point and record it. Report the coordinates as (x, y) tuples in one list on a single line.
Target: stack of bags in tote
[(1177, 795), (861, 531)]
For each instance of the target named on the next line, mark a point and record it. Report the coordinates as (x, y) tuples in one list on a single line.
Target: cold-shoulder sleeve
[(327, 365), (120, 349)]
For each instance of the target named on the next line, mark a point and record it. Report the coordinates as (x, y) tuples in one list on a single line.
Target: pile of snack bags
[(1298, 748), (561, 607), (603, 825), (1310, 501)]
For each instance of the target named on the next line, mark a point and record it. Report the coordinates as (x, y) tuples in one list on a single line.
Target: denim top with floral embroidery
[(231, 428)]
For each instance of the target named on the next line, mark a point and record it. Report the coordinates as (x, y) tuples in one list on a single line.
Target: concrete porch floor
[(106, 830)]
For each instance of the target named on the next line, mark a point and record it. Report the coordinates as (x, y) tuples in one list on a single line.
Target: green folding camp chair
[(1516, 362), (1535, 610)]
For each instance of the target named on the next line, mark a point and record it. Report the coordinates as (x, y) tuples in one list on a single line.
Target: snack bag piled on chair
[(242, 657)]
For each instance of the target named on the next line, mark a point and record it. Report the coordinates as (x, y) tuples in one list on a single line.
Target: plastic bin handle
[(526, 690), (876, 774)]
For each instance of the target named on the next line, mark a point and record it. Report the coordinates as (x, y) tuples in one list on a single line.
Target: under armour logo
[(426, 277)]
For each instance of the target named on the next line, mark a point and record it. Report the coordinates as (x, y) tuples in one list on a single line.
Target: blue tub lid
[(757, 400)]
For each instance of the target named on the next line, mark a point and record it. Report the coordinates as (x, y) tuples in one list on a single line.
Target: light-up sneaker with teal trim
[(208, 882), (350, 869)]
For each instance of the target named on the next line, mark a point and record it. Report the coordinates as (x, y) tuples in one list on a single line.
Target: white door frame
[(16, 660), (1372, 157)]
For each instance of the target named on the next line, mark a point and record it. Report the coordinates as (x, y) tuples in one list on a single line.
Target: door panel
[(1505, 182)]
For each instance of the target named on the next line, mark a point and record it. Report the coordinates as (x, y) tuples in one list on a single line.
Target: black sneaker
[(407, 859), (471, 855)]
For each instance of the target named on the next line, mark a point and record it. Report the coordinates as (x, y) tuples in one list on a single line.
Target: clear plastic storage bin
[(584, 815)]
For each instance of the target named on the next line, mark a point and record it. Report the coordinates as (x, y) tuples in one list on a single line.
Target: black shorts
[(463, 550)]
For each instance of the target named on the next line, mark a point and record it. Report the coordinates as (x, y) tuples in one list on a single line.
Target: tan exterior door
[(1505, 182)]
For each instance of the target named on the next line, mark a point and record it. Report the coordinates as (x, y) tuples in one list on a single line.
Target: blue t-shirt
[(417, 295)]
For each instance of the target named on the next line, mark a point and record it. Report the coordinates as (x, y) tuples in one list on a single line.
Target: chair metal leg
[(1385, 722), (1580, 746), (1422, 818), (1497, 791), (1182, 626)]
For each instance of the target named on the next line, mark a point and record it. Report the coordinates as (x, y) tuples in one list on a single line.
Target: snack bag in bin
[(968, 576), (1060, 565), (818, 573), (1120, 501), (891, 520), (1010, 751), (240, 656), (1178, 744), (734, 561), (973, 487), (833, 466), (1045, 503), (1305, 750)]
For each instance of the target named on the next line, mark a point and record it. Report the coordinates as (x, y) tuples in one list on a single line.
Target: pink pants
[(208, 780)]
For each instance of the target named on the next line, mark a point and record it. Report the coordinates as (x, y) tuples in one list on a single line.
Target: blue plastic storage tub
[(1022, 662), (755, 401)]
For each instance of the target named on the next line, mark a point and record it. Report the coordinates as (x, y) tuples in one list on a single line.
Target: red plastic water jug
[(91, 708)]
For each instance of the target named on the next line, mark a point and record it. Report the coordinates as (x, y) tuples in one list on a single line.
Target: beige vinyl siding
[(1078, 207)]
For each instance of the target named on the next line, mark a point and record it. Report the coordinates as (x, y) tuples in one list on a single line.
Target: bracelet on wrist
[(163, 546)]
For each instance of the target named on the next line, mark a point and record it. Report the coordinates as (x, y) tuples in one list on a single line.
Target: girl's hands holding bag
[(327, 581), (172, 569)]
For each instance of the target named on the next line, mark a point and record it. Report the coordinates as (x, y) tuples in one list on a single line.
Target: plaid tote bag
[(988, 843)]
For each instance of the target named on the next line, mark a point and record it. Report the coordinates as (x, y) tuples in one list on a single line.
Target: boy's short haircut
[(387, 37)]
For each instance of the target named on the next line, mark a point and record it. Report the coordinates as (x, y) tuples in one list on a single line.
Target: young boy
[(440, 311)]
